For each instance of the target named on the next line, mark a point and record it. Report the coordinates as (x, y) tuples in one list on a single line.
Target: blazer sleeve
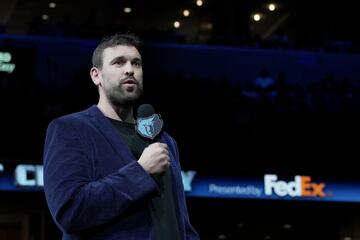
[(76, 201)]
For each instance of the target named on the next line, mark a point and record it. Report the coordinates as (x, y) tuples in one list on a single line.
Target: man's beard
[(121, 98)]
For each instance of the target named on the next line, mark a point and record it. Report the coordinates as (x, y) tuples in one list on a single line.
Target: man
[(101, 179)]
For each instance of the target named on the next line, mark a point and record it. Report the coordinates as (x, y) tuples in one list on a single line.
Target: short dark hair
[(126, 39)]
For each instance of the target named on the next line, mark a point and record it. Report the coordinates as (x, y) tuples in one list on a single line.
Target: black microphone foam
[(145, 110)]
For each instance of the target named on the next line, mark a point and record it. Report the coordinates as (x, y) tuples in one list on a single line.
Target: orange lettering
[(305, 185), (318, 189)]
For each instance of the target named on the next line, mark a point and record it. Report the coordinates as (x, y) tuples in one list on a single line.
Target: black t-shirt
[(163, 207)]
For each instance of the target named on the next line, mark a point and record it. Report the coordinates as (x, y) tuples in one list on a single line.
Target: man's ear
[(95, 76)]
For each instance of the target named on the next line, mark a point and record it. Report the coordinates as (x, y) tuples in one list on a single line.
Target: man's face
[(121, 76)]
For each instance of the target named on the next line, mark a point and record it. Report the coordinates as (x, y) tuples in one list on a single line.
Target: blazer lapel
[(106, 128)]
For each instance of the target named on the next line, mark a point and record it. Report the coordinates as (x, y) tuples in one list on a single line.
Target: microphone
[(149, 125)]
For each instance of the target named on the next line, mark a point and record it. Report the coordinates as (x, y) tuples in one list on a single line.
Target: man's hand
[(155, 158)]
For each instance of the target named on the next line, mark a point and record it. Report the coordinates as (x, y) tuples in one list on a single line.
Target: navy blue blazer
[(94, 186)]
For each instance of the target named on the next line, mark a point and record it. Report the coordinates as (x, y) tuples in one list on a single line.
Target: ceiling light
[(271, 7), (240, 225), (221, 236), (127, 10), (176, 24), (257, 17), (52, 5), (287, 226), (186, 13)]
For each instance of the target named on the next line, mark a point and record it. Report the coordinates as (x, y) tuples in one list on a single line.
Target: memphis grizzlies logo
[(149, 127)]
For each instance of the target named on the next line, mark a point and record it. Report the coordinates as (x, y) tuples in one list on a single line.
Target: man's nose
[(129, 70)]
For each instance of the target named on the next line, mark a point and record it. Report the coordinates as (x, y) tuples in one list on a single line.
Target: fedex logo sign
[(300, 187)]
